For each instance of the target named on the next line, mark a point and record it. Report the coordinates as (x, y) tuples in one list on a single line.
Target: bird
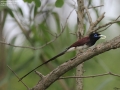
[(82, 43)]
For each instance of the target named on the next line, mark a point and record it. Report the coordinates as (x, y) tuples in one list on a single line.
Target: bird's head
[(96, 36)]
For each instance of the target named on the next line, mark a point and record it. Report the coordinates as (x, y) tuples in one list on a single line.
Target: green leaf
[(118, 23), (37, 3), (29, 1), (20, 10), (59, 3), (10, 12)]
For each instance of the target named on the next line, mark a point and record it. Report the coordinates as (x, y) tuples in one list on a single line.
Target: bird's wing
[(76, 44), (80, 42)]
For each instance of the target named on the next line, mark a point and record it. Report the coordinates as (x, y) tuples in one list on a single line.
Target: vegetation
[(32, 34)]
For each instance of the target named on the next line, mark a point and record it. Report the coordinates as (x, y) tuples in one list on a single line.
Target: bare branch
[(110, 24), (80, 33), (82, 57), (95, 6), (99, 19), (18, 77), (90, 76), (37, 48), (89, 17), (91, 28), (105, 25), (40, 74)]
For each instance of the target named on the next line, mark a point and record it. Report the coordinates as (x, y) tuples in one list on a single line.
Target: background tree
[(40, 33)]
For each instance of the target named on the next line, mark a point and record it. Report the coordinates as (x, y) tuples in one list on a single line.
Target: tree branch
[(80, 58), (18, 78), (91, 76)]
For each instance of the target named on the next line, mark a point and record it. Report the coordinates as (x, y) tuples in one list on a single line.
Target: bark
[(54, 75)]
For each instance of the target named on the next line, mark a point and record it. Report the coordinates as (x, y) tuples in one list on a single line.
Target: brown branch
[(82, 57), (99, 19), (90, 76), (91, 28), (89, 17), (95, 6), (109, 25), (80, 34), (18, 77), (40, 74), (37, 48), (105, 25)]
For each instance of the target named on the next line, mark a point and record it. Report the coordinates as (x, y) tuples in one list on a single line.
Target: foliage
[(37, 31)]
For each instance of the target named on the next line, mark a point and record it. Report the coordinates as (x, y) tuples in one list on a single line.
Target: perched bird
[(83, 43)]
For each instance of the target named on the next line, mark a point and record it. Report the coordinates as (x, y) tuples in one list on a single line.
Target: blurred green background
[(36, 22)]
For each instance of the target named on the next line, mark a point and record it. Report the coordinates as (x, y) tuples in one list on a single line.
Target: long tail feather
[(43, 64)]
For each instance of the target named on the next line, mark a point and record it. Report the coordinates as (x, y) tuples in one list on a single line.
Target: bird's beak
[(102, 36)]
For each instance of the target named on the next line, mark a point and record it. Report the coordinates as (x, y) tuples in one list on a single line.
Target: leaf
[(37, 3), (10, 12), (59, 3), (29, 1), (118, 23), (20, 10)]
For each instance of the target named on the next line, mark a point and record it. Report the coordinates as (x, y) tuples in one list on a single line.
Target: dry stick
[(99, 19), (89, 17), (36, 48), (40, 74), (18, 77), (82, 57), (91, 28), (80, 33), (91, 76), (109, 25), (33, 48), (95, 7), (48, 60)]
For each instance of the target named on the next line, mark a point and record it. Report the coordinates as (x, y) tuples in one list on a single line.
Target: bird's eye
[(95, 35)]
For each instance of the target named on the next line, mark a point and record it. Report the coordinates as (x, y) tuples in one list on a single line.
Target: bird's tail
[(60, 54)]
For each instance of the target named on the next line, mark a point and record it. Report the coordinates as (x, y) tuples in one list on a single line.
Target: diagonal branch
[(91, 28), (89, 17), (91, 76), (82, 57), (105, 25), (18, 78)]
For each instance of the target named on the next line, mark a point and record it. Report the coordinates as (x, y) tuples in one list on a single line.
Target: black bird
[(83, 43)]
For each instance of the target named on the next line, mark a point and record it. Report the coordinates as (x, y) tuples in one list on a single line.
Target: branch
[(37, 48), (91, 76), (105, 25), (18, 78), (89, 17), (95, 6), (80, 33), (91, 28), (80, 58), (110, 24)]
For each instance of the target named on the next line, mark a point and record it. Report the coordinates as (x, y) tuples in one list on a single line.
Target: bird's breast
[(77, 48)]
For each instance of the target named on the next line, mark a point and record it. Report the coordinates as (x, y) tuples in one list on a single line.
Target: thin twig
[(36, 48), (109, 25), (105, 25), (91, 28), (89, 17), (40, 74), (18, 77), (67, 19), (95, 6), (99, 19), (91, 76)]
